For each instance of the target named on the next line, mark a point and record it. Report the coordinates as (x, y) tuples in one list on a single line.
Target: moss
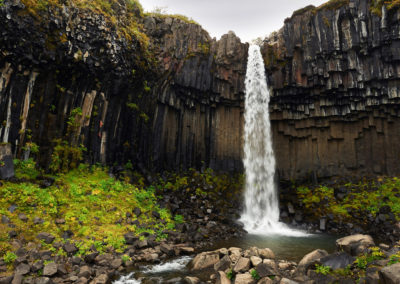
[(376, 6), (93, 205), (127, 24), (332, 5), (303, 10), (174, 16)]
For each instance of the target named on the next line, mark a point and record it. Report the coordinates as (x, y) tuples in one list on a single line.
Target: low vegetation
[(353, 201), (376, 5)]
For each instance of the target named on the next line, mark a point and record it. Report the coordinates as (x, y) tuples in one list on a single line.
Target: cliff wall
[(70, 76), (335, 78)]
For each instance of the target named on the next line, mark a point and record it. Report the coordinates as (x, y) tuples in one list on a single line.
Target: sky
[(249, 19)]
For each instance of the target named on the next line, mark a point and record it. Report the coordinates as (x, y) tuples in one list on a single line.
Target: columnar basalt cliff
[(70, 76), (335, 76)]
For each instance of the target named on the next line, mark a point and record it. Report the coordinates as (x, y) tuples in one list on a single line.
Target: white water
[(261, 214), (154, 272)]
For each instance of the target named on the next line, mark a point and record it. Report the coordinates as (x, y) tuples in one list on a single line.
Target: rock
[(36, 266), (43, 280), (155, 214), (266, 268), (22, 269), (50, 269), (244, 279), (355, 244), (6, 162), (266, 253), (186, 250), (322, 224), (223, 264), (167, 249), (60, 221), (337, 260), (242, 265), (290, 208), (390, 274), (104, 259), (137, 211), (116, 263), (141, 244), (70, 248), (255, 260), (101, 279), (46, 237), (204, 260), (191, 280), (130, 238), (221, 278), (265, 280), (310, 259), (151, 257), (287, 281), (22, 217), (38, 221), (6, 279), (17, 279), (5, 219), (85, 271)]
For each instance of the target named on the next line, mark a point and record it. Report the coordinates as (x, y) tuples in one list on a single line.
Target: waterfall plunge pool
[(284, 247)]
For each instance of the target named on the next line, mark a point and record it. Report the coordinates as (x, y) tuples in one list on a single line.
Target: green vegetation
[(161, 13), (322, 269), (1, 3), (230, 274), (395, 258), (93, 206), (330, 5), (376, 5), (127, 24), (9, 258), (65, 156), (254, 274), (361, 199)]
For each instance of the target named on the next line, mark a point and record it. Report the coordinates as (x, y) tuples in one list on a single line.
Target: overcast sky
[(249, 19)]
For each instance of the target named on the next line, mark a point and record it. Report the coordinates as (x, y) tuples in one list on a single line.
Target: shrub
[(9, 257), (26, 169), (65, 156), (254, 274)]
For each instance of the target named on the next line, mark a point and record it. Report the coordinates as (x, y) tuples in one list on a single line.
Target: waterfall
[(261, 213)]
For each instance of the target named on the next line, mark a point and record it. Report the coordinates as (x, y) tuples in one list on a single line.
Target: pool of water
[(288, 248)]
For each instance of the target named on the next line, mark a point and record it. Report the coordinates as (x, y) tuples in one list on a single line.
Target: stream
[(284, 247)]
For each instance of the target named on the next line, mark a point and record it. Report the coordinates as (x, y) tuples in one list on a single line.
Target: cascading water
[(261, 214)]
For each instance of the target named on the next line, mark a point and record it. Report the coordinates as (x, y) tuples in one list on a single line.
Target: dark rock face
[(183, 110), (335, 80), (6, 162)]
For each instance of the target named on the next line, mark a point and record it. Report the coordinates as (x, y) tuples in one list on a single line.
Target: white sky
[(249, 19)]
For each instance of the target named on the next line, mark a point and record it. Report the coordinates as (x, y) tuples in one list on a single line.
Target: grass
[(127, 24), (93, 205), (361, 199)]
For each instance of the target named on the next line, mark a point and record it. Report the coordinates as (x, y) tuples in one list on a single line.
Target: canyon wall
[(68, 78), (334, 72)]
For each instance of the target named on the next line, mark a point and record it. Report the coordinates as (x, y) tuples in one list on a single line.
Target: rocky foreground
[(357, 260)]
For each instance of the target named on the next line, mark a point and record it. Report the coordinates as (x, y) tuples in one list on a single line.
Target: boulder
[(101, 279), (204, 260), (266, 253), (355, 244), (50, 269), (46, 237), (310, 259), (221, 278), (8, 280), (265, 280), (255, 260), (287, 281), (85, 271), (337, 260), (43, 280), (191, 280), (266, 269), (390, 274), (223, 264), (22, 269), (244, 279), (242, 265)]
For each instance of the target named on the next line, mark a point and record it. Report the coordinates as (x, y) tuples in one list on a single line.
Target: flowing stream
[(261, 213)]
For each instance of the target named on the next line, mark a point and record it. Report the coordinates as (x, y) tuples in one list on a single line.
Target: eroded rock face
[(178, 107), (334, 74)]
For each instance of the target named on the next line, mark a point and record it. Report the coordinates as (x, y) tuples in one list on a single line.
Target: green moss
[(93, 205), (303, 10), (174, 16), (332, 5), (376, 6)]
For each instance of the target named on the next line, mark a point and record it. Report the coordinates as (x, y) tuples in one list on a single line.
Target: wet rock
[(390, 274), (167, 249), (18, 278), (355, 244), (337, 260), (50, 269), (204, 260), (151, 257), (242, 265), (310, 259), (46, 237)]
